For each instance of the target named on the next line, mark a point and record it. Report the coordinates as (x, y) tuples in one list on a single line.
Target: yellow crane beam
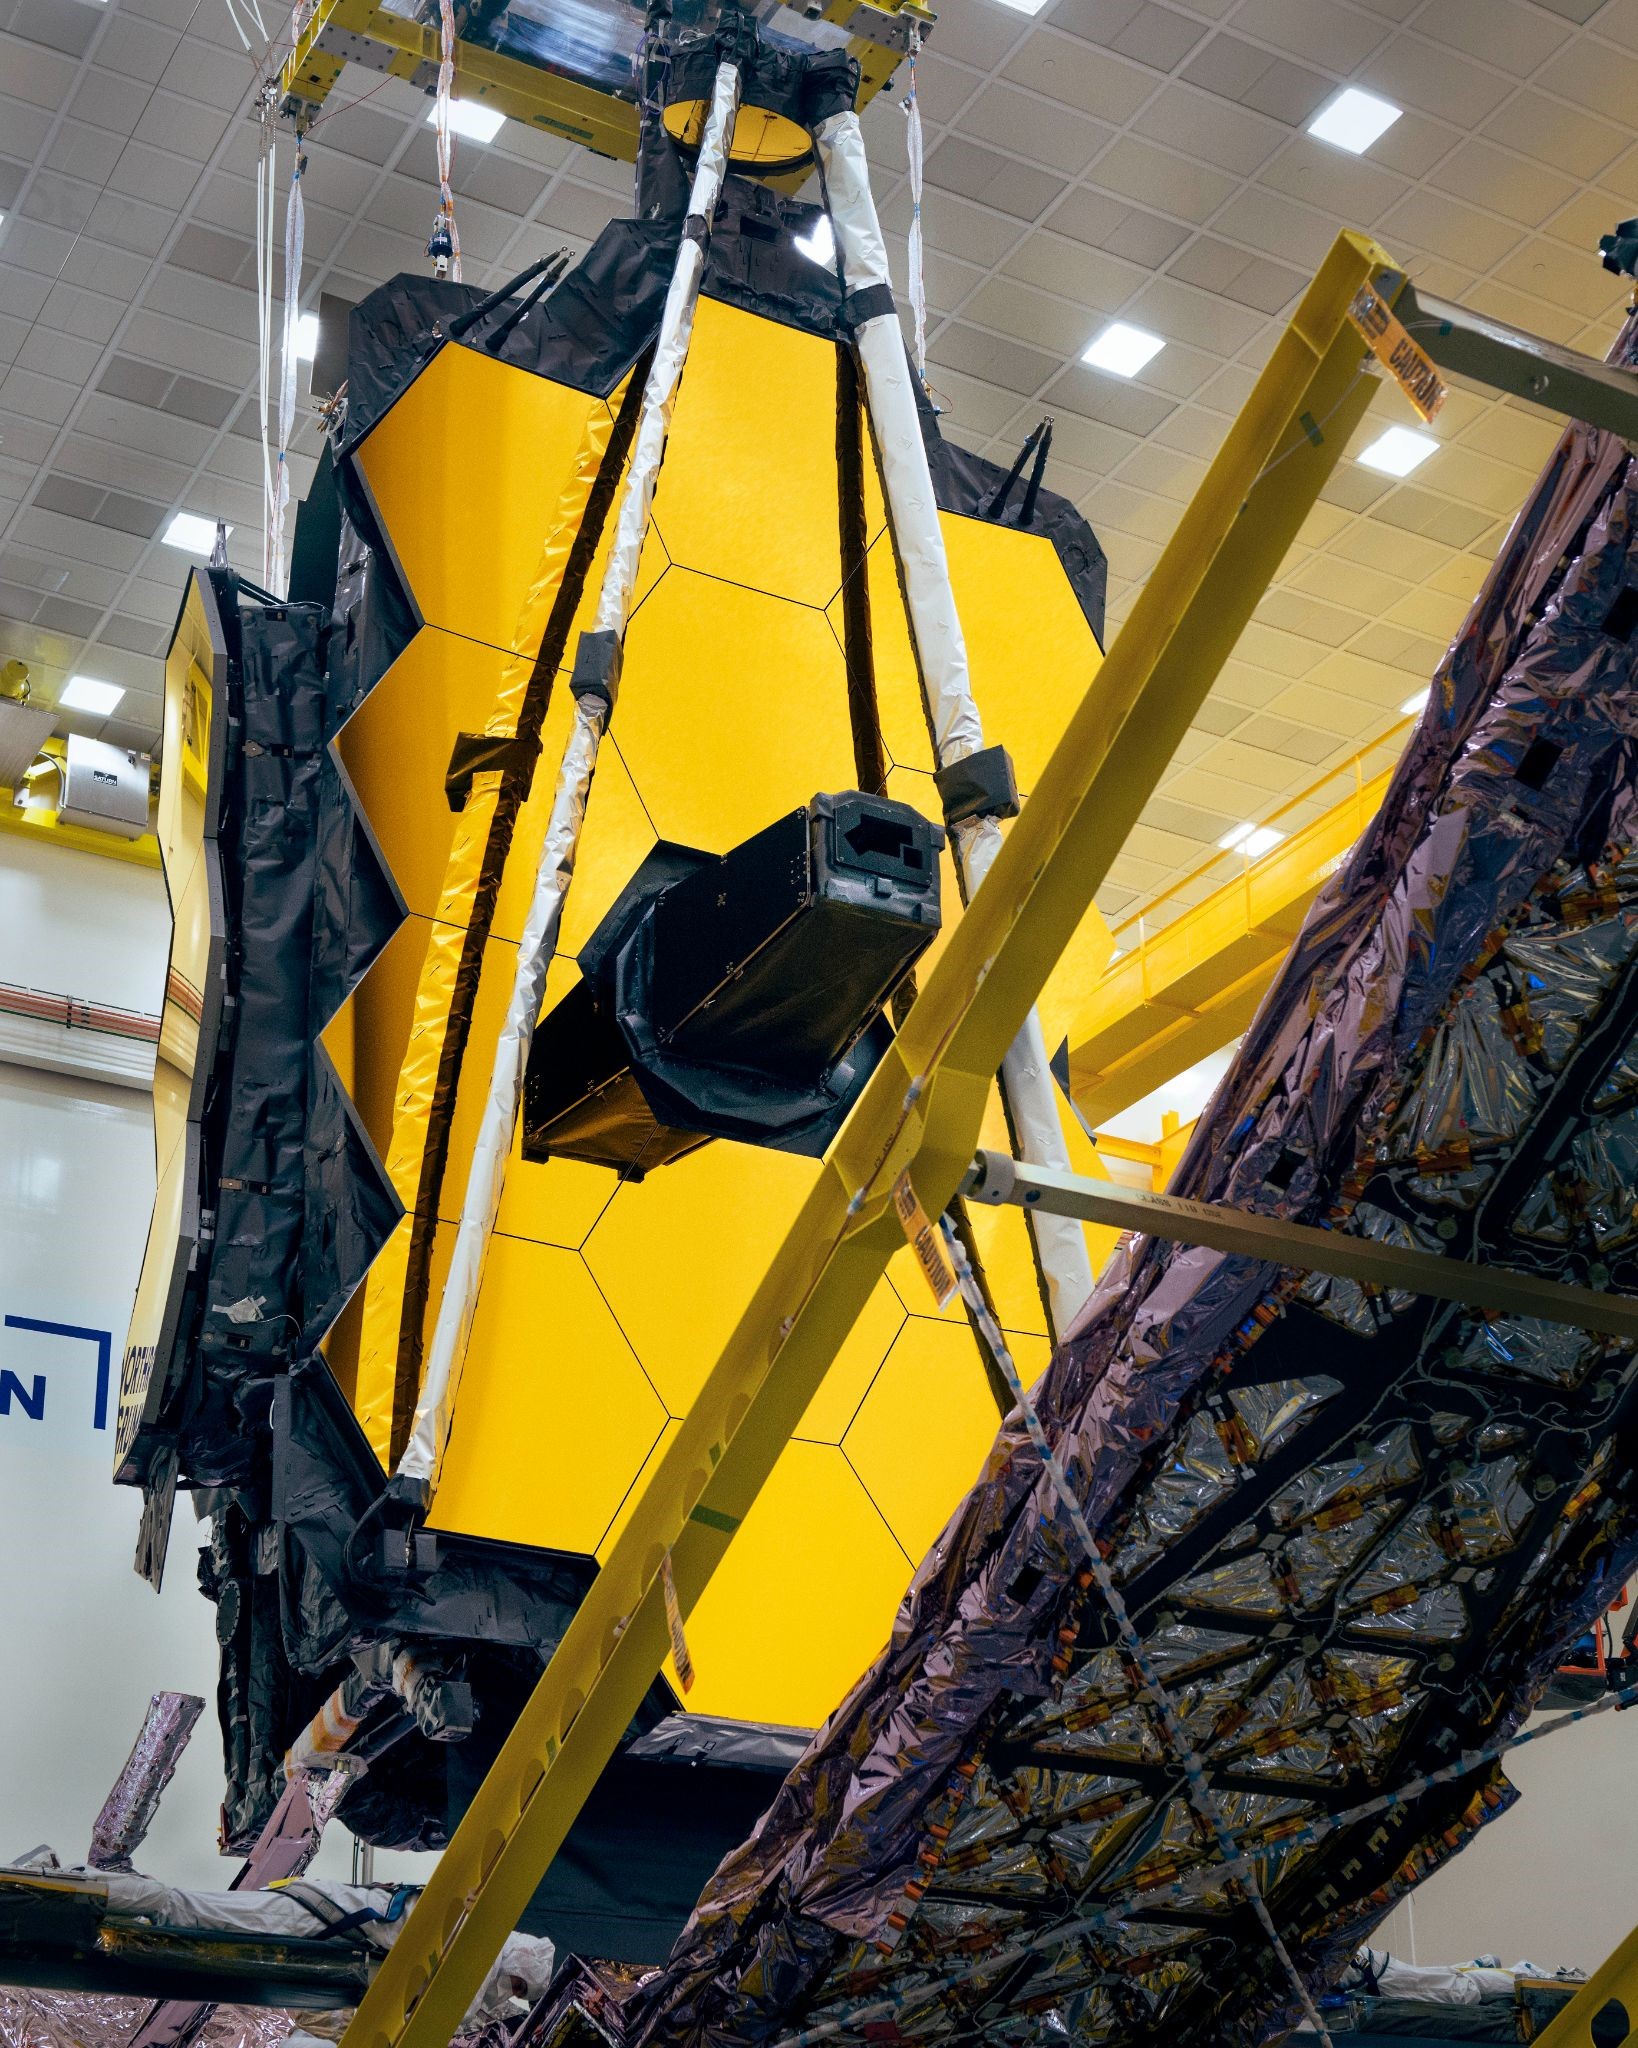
[(1186, 991), (339, 32), (916, 1126)]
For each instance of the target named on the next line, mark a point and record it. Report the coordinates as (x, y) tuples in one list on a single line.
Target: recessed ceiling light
[(1354, 119), (1122, 350), (472, 119), (819, 246), (192, 533), (1251, 840), (1413, 707), (1398, 451), (306, 336), (85, 693), (1024, 6)]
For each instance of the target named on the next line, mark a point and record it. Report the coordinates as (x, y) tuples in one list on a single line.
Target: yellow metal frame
[(920, 1114), (337, 32), (43, 824), (1173, 998), (1615, 1978)]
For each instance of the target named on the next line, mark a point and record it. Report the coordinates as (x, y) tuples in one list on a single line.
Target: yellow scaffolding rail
[(338, 32), (1176, 996), (918, 1120), (43, 824)]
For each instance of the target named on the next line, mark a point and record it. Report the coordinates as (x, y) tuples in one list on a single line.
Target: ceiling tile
[(1617, 19), (59, 355), (1484, 175), (1564, 277), (1053, 324), (1322, 32), (135, 49), (1099, 21), (129, 224), (1159, 36), (1116, 404), (65, 25), (46, 399), (24, 126), (1414, 73), (119, 273), (1067, 69), (1100, 282), (1500, 32), (1308, 742), (979, 36), (974, 406), (363, 132), (970, 172), (1348, 188), (155, 175), (1153, 177), (1206, 126), (1427, 220), (175, 123), (36, 75), (991, 357), (1535, 315), (1280, 227), (83, 151), (1028, 123), (59, 201), (76, 538), (137, 637), (1592, 75)]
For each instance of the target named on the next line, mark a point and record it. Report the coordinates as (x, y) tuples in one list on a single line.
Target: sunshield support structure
[(595, 685)]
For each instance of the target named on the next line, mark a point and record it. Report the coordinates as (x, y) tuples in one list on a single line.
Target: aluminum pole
[(429, 1434), (1026, 1078)]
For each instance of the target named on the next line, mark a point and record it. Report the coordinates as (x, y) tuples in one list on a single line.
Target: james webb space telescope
[(738, 996)]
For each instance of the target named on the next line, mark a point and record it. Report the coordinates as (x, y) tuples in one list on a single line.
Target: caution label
[(673, 1621), (1408, 365), (924, 1240)]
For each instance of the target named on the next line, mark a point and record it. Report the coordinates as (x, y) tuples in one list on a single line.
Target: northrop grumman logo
[(64, 1352)]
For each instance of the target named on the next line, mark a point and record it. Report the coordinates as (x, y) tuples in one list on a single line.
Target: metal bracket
[(1472, 345), (994, 1178)]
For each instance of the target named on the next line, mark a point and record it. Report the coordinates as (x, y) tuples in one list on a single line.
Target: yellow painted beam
[(1158, 1160), (42, 824), (338, 32), (1186, 992), (1615, 1979), (919, 1115)]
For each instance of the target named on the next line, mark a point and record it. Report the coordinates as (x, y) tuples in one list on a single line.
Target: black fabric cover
[(592, 328)]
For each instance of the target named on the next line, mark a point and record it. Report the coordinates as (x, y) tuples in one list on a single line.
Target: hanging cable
[(237, 28), (295, 230), (918, 285), (445, 246), (265, 162)]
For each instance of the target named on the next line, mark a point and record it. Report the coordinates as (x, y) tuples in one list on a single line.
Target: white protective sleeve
[(1026, 1078), (1439, 1983), (522, 1970), (423, 1453)]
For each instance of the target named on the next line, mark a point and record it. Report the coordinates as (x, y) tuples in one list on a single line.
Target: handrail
[(48, 1006)]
